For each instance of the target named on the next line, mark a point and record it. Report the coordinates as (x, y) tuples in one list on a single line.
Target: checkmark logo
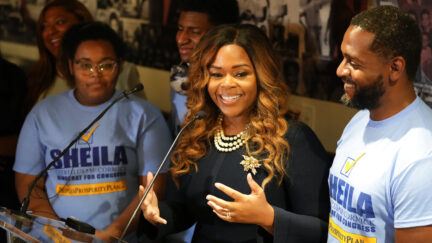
[(86, 137), (349, 164)]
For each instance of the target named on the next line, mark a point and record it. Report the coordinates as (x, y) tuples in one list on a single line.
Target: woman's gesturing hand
[(150, 206), (250, 209)]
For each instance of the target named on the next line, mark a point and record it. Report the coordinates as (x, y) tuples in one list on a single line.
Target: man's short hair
[(424, 11), (218, 11), (396, 34)]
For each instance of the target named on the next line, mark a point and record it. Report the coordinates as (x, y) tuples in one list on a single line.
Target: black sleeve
[(307, 189), (13, 90), (174, 210)]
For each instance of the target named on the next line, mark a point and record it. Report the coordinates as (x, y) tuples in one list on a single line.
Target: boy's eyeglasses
[(89, 68)]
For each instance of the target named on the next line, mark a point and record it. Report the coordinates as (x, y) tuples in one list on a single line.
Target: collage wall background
[(306, 33)]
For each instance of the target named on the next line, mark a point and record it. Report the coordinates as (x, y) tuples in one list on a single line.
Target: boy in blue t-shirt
[(97, 180)]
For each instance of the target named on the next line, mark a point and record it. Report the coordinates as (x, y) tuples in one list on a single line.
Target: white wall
[(327, 119)]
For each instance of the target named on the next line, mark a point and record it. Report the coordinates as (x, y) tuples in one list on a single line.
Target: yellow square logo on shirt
[(88, 137), (349, 165)]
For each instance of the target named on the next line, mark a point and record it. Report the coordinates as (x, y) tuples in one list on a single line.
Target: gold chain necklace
[(231, 143)]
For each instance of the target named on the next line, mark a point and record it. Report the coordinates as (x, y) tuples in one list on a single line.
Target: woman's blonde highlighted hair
[(268, 125)]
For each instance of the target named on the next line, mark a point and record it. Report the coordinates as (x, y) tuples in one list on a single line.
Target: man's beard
[(366, 97)]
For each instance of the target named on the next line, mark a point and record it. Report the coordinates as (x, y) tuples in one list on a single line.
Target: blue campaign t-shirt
[(178, 110), (380, 177), (98, 176)]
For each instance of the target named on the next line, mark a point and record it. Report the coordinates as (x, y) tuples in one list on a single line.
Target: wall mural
[(306, 33), (421, 11)]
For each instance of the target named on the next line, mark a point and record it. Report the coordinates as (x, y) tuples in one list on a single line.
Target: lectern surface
[(31, 228)]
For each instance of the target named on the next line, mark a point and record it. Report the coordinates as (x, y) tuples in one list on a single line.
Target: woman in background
[(55, 19), (244, 173)]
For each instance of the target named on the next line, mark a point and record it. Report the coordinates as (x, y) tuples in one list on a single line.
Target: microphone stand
[(200, 115), (25, 203)]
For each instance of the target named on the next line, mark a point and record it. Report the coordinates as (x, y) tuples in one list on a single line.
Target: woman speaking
[(246, 172)]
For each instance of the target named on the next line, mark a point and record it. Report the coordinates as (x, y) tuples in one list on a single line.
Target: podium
[(31, 228)]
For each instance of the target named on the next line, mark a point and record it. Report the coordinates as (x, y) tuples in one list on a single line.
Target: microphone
[(200, 115), (25, 203), (137, 88)]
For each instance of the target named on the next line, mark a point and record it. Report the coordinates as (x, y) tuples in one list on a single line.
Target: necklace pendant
[(250, 163)]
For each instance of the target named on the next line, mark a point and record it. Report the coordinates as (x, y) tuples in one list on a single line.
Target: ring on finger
[(228, 214)]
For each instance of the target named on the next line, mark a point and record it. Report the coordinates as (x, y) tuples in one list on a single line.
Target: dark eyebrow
[(108, 59), (189, 27), (103, 59), (215, 67), (235, 66), (353, 58), (240, 65), (83, 59)]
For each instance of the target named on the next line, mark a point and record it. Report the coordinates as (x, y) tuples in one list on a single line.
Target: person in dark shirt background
[(13, 89)]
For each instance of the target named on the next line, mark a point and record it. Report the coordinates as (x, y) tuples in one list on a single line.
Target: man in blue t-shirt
[(380, 178), (195, 20)]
